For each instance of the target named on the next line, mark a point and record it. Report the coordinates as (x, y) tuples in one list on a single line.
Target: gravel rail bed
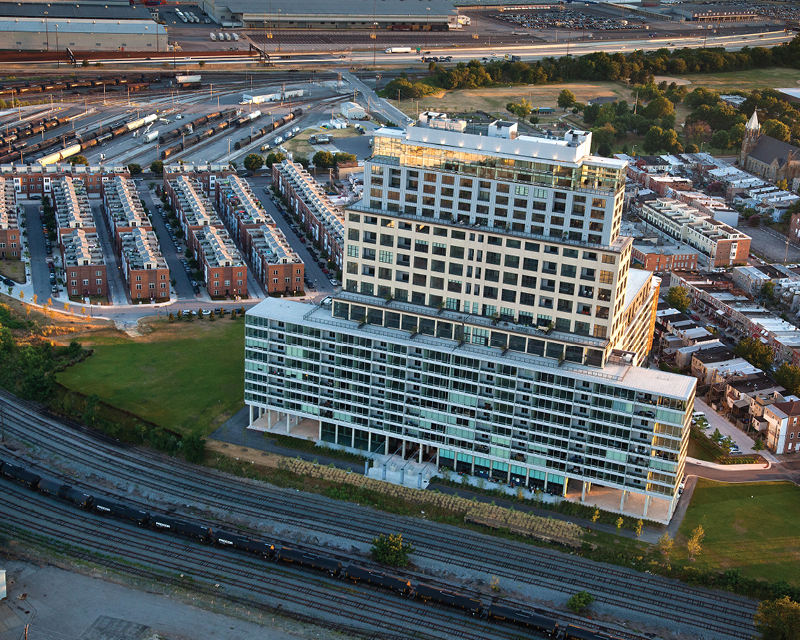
[(167, 479)]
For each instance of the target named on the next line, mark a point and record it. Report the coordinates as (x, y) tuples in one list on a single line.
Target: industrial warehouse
[(396, 15), (62, 26)]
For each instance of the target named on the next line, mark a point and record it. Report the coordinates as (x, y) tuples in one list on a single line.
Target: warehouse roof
[(382, 8), (37, 25), (58, 10)]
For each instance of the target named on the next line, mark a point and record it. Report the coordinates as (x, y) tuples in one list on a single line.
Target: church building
[(767, 157)]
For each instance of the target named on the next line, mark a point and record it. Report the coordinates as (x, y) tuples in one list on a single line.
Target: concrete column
[(387, 453), (646, 505), (336, 437), (369, 441), (319, 422), (545, 481), (527, 477), (437, 458), (404, 452), (420, 454), (251, 415), (353, 439), (583, 492), (588, 486), (472, 468), (269, 419), (564, 490), (508, 475), (622, 501)]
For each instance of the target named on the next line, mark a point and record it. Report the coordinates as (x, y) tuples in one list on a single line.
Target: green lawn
[(184, 376), (752, 527)]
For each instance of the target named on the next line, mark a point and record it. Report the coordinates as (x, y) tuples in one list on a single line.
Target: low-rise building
[(353, 111), (275, 264), (72, 209), (307, 199), (84, 263), (36, 179), (10, 241), (664, 257), (752, 278), (192, 207), (224, 270), (145, 269), (205, 175), (783, 426), (723, 245), (123, 208)]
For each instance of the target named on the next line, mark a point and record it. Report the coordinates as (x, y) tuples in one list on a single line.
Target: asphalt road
[(117, 289), (40, 274), (770, 244)]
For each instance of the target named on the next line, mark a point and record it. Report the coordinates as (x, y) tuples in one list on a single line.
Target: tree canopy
[(679, 298), (755, 352), (253, 162), (778, 619), (788, 376)]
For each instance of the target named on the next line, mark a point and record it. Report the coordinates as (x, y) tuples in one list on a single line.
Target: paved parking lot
[(770, 244)]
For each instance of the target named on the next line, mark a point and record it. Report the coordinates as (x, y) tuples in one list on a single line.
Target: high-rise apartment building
[(489, 320)]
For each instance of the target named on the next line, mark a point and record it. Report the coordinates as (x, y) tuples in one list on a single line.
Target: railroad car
[(284, 554), (111, 508), (51, 487), (76, 496), (138, 86), (21, 474), (530, 620), (167, 523), (242, 143), (254, 546), (449, 598), (393, 583)]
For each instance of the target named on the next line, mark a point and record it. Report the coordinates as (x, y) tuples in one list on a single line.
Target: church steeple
[(752, 123), (752, 132)]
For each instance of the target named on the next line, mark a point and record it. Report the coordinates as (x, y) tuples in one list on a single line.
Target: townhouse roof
[(72, 204), (195, 207), (752, 385), (8, 208), (714, 354), (791, 408), (123, 205), (218, 248), (140, 250), (82, 249)]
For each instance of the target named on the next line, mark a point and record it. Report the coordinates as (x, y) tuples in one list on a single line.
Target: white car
[(334, 282)]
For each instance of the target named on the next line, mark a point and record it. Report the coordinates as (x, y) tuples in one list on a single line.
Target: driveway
[(726, 428)]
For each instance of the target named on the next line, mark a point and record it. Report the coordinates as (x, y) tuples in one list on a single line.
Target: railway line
[(236, 573), (721, 614)]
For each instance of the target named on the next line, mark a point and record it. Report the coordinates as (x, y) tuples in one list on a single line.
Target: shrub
[(580, 601), (391, 550)]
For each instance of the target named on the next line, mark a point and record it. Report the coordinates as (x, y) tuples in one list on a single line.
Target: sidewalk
[(730, 467)]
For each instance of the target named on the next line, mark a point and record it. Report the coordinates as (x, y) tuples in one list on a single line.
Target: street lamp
[(46, 32), (58, 61), (427, 19)]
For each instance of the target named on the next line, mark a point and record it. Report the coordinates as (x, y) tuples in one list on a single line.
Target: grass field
[(184, 376), (751, 527), (299, 144)]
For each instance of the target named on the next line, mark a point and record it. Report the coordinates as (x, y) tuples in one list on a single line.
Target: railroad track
[(715, 612), (370, 608)]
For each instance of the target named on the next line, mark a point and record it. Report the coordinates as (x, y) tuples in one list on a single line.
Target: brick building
[(307, 199), (10, 245), (144, 267), (191, 205), (206, 175), (123, 208), (783, 427), (72, 209), (664, 258), (275, 264), (84, 263), (36, 179), (224, 270)]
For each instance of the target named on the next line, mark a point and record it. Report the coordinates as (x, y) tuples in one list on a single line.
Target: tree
[(768, 290), (776, 129), (758, 445), (391, 550), (692, 148), (78, 160), (695, 541), (194, 446), (253, 162), (778, 619), (658, 108), (639, 525), (619, 524), (665, 544), (788, 376), (157, 167), (274, 158), (653, 140), (782, 184), (323, 159), (303, 161), (755, 352), (134, 169), (754, 221), (566, 99), (580, 601), (720, 140), (679, 298)]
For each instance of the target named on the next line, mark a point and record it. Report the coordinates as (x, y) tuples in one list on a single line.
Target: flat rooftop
[(56, 10), (636, 378), (8, 208), (140, 250), (312, 8), (218, 248), (123, 205), (82, 249), (72, 204)]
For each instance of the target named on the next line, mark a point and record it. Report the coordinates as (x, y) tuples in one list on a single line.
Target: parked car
[(334, 282), (325, 270)]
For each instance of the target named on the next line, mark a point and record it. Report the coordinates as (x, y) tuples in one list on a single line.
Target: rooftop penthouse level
[(193, 208), (124, 208), (722, 244), (145, 268), (9, 222), (71, 203)]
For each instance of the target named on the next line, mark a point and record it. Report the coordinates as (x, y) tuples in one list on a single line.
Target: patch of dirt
[(670, 79), (737, 526), (246, 454)]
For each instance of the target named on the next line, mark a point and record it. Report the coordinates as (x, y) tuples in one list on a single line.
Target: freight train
[(76, 143), (23, 89), (543, 625), (265, 131)]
